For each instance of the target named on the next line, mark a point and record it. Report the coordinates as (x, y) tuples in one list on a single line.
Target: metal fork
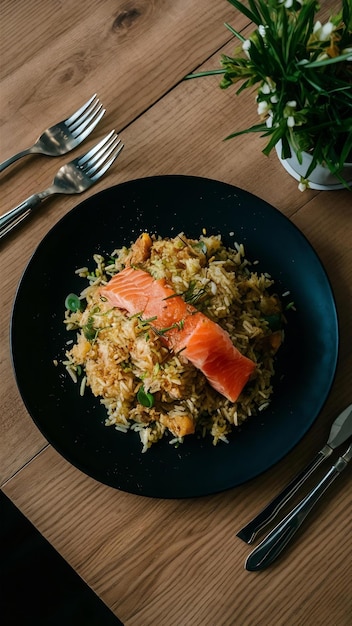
[(73, 177), (65, 135)]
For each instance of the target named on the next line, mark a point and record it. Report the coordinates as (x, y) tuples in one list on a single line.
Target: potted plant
[(301, 72)]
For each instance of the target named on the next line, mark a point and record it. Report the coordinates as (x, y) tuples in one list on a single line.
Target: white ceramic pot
[(320, 178)]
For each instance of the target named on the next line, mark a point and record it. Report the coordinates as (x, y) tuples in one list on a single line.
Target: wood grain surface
[(157, 562)]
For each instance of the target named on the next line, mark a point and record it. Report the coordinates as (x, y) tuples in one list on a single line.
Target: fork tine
[(86, 157), (108, 163), (74, 116), (89, 123), (87, 114), (99, 159), (108, 146)]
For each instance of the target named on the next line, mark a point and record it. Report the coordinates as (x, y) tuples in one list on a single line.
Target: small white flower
[(323, 32), (303, 185), (246, 46), (326, 31), (290, 121), (322, 57), (274, 99), (263, 107), (347, 51), (292, 104), (261, 30), (265, 88)]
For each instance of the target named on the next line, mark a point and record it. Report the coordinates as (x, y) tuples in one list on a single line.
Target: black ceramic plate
[(168, 205)]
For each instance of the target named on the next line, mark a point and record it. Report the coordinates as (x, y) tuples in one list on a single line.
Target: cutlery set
[(274, 543), (73, 177)]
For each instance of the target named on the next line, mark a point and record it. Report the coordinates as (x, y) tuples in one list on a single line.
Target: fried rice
[(115, 355)]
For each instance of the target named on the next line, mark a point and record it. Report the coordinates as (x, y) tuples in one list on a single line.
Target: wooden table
[(163, 562)]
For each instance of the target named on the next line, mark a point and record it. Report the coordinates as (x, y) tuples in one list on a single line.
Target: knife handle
[(266, 515), (272, 546)]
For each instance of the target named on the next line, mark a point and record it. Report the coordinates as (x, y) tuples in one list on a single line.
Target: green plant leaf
[(346, 151), (253, 16), (235, 32), (324, 62), (257, 128), (205, 73), (277, 133)]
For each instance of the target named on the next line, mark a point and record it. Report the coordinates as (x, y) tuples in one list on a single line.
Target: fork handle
[(15, 216), (15, 157)]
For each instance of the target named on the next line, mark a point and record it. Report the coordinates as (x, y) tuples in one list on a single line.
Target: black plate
[(168, 205)]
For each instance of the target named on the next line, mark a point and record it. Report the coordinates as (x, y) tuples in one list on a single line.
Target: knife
[(341, 430), (270, 548)]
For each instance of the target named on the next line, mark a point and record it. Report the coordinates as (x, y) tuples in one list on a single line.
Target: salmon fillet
[(182, 328)]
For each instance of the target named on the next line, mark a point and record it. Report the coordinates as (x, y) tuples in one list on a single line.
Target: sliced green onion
[(274, 321), (72, 302), (145, 398), (89, 332), (201, 245)]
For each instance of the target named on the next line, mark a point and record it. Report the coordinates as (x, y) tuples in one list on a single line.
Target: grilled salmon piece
[(182, 328)]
